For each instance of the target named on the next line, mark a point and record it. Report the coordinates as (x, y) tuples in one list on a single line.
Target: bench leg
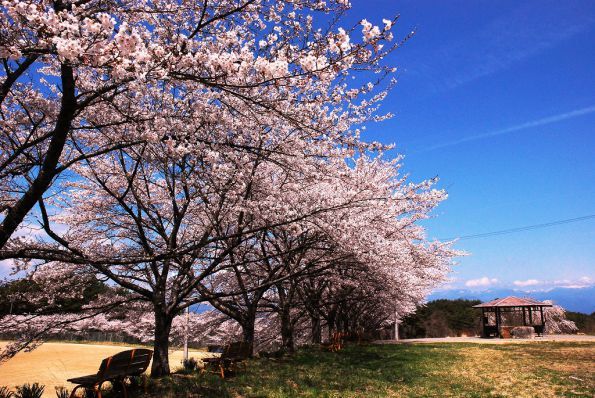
[(97, 390), (124, 388)]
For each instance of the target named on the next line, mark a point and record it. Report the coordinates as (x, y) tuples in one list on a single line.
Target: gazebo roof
[(512, 301)]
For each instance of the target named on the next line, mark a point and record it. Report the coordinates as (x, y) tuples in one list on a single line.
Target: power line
[(521, 229)]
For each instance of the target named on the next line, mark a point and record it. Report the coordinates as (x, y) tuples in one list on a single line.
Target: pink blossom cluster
[(556, 321)]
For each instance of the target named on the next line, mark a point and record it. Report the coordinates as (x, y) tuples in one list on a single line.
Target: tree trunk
[(160, 365), (287, 332), (316, 330), (344, 323), (248, 330)]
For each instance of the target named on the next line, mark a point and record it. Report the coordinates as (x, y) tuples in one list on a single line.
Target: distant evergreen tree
[(584, 322), (15, 297), (441, 318)]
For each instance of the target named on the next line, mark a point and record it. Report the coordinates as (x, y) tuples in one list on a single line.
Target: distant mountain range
[(572, 299)]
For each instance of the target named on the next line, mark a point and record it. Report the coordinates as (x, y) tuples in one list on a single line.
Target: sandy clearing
[(53, 363)]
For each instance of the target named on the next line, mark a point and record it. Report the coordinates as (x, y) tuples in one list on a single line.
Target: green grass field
[(542, 369)]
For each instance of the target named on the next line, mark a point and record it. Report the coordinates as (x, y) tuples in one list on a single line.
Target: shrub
[(29, 391), (62, 392), (5, 392)]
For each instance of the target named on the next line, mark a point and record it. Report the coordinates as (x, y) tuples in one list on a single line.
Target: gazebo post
[(542, 318), (498, 321), (524, 317), (530, 317)]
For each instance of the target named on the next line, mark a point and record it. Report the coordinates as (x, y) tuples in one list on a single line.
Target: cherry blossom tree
[(162, 225), (259, 272), (207, 151), (73, 69), (391, 263), (233, 246), (335, 264), (556, 321), (131, 77)]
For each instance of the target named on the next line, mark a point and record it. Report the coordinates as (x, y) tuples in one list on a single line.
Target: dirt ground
[(53, 363)]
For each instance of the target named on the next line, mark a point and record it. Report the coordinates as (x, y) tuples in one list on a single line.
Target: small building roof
[(512, 301)]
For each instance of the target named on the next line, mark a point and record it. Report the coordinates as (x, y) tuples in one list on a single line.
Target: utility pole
[(186, 333)]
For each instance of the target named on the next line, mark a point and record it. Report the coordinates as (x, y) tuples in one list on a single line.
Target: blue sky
[(497, 98)]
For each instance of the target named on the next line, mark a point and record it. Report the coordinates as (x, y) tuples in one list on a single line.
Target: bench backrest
[(238, 349), (125, 363)]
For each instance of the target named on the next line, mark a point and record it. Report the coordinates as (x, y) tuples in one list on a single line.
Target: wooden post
[(542, 318), (485, 321), (498, 321), (530, 317), (524, 317)]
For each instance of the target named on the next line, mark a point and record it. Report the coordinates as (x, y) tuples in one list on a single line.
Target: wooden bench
[(115, 369), (232, 355)]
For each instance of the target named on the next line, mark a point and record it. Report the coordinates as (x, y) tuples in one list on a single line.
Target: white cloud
[(546, 285), (481, 282), (583, 281), (528, 282)]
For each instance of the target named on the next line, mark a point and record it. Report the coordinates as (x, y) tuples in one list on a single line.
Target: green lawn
[(542, 369)]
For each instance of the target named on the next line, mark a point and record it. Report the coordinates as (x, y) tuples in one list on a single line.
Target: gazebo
[(499, 316)]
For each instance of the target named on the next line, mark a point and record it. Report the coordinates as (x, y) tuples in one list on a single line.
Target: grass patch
[(545, 369)]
